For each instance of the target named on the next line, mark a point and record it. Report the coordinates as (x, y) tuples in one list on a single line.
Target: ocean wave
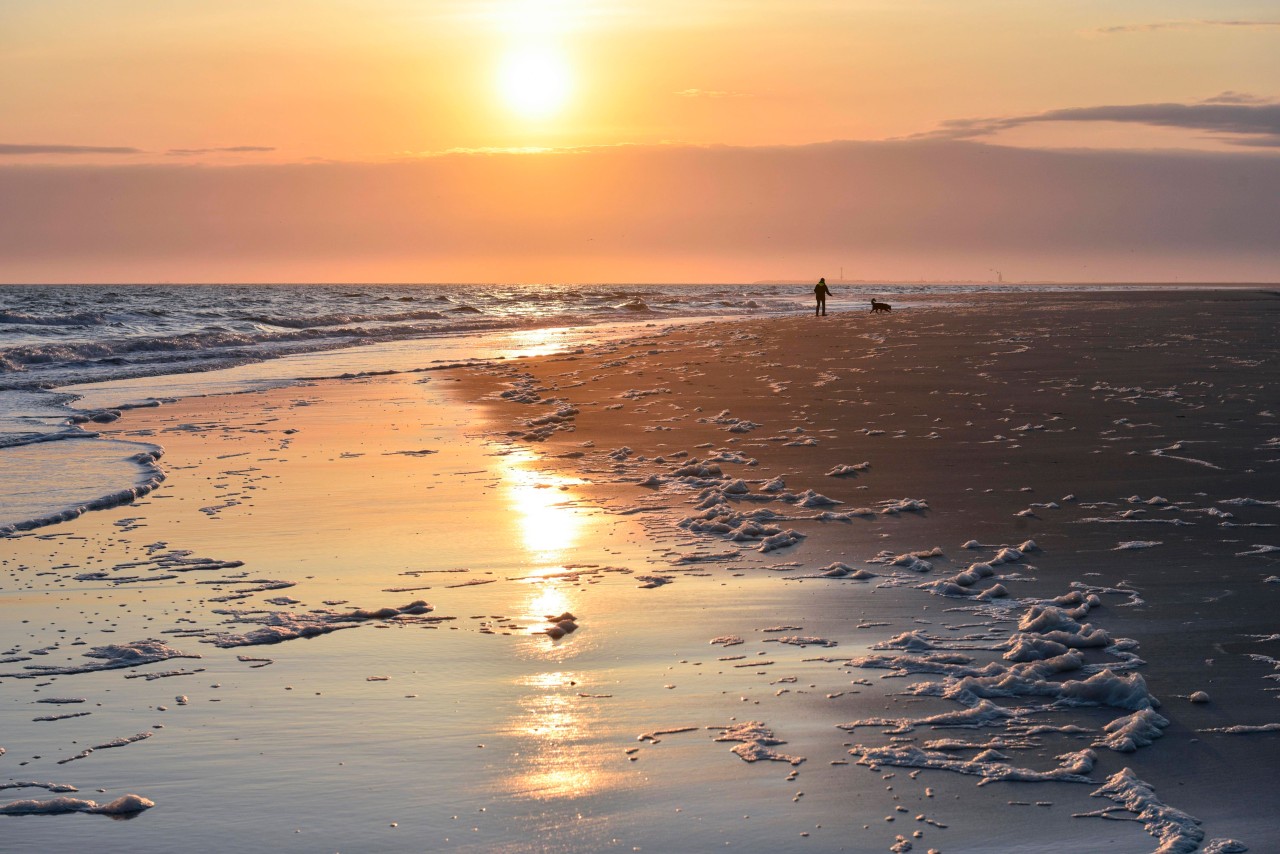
[(63, 335), (329, 320), (15, 440), (150, 477), (22, 318), (50, 365), (88, 352)]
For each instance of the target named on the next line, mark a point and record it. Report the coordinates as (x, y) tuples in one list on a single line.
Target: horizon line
[(685, 283)]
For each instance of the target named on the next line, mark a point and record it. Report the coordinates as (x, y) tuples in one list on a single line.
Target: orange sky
[(129, 90)]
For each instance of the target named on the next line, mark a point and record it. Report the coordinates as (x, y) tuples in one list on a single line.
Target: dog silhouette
[(880, 306)]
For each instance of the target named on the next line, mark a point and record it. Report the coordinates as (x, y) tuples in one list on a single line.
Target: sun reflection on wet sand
[(549, 526), (564, 748), (549, 599), (560, 730), (538, 342)]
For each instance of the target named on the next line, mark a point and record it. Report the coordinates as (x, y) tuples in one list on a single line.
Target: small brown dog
[(880, 306)]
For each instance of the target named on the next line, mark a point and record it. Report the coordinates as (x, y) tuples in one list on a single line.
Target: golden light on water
[(552, 679), (557, 765), (550, 599), (535, 342), (548, 525), (564, 756), (560, 726)]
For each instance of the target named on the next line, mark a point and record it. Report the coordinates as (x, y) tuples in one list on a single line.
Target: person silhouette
[(820, 292)]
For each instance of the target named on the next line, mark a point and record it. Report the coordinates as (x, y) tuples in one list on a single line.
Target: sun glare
[(535, 82)]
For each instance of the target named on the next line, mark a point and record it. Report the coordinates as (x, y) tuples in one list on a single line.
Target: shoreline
[(389, 488), (103, 401)]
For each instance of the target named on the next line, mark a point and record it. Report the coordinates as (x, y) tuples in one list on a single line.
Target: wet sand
[(1130, 437)]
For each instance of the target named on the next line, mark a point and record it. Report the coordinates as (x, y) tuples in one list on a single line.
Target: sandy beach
[(983, 574)]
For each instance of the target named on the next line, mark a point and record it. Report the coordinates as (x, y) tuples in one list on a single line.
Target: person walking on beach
[(820, 292)]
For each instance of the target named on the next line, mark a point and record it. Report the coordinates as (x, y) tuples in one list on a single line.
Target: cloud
[(710, 93), (1230, 97), (20, 149), (933, 208), (10, 148), (1241, 122), (1184, 25), (232, 149)]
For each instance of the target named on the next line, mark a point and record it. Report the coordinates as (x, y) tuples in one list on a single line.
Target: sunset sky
[(602, 140)]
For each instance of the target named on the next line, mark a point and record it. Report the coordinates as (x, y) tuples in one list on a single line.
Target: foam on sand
[(50, 787), (757, 742), (803, 641), (561, 625), (278, 626), (1178, 832), (111, 657), (780, 540), (1243, 729), (848, 470), (107, 745), (810, 498), (123, 805), (1127, 734), (1072, 767)]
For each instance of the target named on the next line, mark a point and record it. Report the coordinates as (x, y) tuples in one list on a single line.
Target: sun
[(535, 82)]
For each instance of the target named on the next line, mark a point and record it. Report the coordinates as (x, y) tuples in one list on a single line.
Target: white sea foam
[(1133, 520), (28, 784), (776, 484), (756, 743), (804, 640), (278, 626), (1127, 734), (107, 745), (1243, 729), (902, 505), (1177, 832), (809, 498), (847, 470), (123, 805), (1072, 767), (109, 657), (1224, 846), (780, 540)]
